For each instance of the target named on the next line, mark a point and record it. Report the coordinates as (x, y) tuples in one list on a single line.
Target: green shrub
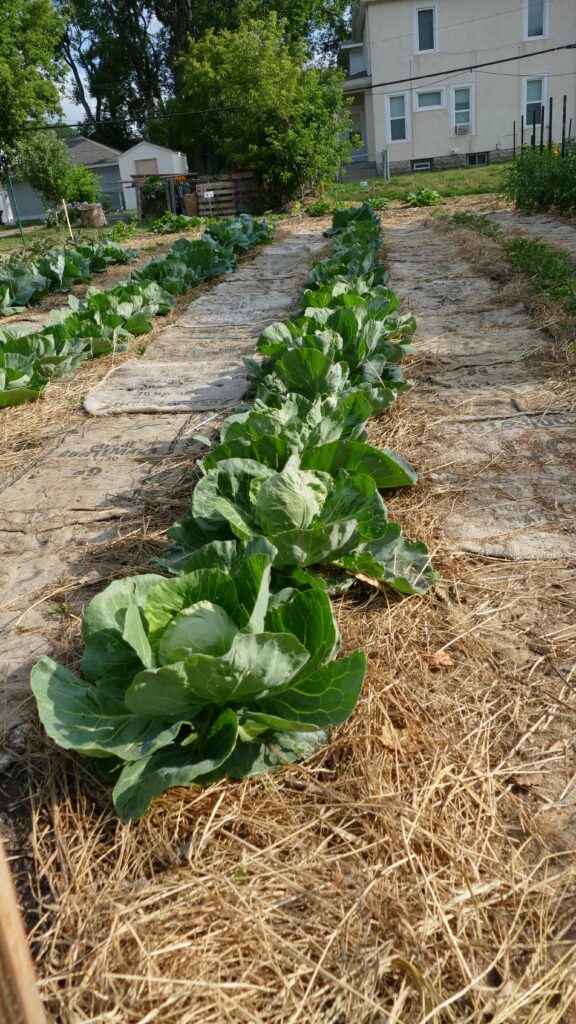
[(121, 231), (171, 222), (542, 181), (319, 208), (380, 203), (424, 197)]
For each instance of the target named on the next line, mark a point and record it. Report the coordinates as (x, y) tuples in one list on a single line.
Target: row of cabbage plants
[(25, 279), (229, 666), (105, 320)]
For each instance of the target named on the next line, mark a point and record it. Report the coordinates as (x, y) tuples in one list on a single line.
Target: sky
[(71, 112)]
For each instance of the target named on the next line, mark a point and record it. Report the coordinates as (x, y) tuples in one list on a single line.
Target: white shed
[(145, 159)]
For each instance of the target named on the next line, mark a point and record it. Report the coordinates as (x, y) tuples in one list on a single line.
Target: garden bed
[(420, 867)]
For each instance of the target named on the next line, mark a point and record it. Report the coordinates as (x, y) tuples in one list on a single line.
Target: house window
[(422, 165), (535, 18), (478, 159), (426, 30), (398, 119), (430, 100), (462, 109), (534, 90)]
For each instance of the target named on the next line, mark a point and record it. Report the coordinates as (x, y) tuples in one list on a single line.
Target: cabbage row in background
[(25, 280), (106, 319), (229, 668)]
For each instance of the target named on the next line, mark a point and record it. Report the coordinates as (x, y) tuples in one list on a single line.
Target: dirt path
[(86, 489), (553, 230)]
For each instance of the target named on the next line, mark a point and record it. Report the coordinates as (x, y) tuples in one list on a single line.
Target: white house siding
[(168, 162), (467, 32)]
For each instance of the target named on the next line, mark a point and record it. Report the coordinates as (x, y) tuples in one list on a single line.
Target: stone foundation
[(445, 163)]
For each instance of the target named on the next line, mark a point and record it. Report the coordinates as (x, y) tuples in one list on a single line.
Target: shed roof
[(151, 145), (87, 151)]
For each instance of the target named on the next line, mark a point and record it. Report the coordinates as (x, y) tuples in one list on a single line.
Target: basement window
[(422, 165), (478, 159)]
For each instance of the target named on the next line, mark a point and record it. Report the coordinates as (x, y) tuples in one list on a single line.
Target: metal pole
[(542, 130), (514, 142), (533, 139), (550, 119), (15, 205), (522, 133), (564, 115)]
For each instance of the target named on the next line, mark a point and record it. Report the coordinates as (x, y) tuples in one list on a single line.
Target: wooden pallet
[(216, 199), (19, 999)]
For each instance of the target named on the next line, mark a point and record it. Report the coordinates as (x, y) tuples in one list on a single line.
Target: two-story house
[(410, 101)]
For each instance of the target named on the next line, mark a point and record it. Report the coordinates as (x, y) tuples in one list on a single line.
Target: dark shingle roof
[(86, 151)]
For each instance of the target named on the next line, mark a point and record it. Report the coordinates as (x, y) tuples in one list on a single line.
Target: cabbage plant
[(311, 518), (326, 434), (190, 679)]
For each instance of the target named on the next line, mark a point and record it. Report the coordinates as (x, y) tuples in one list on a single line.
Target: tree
[(112, 46), (45, 162), (321, 24), (286, 120), (30, 67)]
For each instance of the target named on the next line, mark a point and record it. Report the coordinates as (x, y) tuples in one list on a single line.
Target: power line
[(466, 67), (122, 121), (514, 74)]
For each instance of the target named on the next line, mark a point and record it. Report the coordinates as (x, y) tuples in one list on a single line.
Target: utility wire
[(466, 67), (123, 120)]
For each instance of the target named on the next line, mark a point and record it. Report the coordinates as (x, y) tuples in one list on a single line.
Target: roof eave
[(357, 84)]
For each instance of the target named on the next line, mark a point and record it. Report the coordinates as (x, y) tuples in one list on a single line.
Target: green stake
[(15, 205)]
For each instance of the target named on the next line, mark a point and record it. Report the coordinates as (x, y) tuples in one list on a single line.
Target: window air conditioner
[(462, 129)]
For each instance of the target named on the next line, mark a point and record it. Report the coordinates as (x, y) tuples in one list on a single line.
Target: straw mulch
[(421, 868)]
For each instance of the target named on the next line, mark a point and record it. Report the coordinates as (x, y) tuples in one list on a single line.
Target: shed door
[(146, 167)]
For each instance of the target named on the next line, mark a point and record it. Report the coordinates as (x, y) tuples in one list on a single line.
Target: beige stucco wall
[(469, 31)]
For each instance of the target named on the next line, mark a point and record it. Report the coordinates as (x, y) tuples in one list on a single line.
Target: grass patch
[(551, 272), (477, 222), (462, 181)]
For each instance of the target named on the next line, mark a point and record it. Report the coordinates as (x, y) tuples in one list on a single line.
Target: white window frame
[(531, 78), (464, 85), (425, 7), (422, 110), (407, 119), (527, 38)]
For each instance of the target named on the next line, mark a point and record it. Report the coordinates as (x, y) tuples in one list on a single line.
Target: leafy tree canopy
[(114, 46), (46, 163), (30, 67), (288, 118), (321, 24)]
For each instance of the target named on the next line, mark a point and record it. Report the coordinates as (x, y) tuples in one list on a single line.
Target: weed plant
[(542, 181)]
